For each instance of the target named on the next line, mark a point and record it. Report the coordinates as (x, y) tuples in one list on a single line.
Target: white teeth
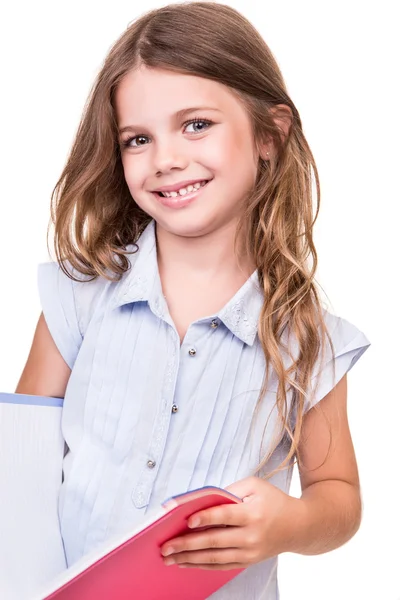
[(186, 190)]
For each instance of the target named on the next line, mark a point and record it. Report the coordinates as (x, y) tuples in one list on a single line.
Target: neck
[(205, 256)]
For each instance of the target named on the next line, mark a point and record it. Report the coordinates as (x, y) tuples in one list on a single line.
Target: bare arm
[(330, 504), (45, 372)]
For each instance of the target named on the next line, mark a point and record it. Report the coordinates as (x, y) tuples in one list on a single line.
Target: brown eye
[(128, 143)]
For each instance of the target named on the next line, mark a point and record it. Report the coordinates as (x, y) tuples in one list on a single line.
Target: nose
[(168, 154)]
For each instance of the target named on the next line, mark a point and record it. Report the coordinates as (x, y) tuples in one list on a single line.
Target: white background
[(340, 61)]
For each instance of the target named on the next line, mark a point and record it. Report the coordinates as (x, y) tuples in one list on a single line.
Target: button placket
[(142, 491)]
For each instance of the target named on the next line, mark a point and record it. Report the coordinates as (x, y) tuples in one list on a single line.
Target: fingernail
[(194, 522), (168, 551), (168, 561)]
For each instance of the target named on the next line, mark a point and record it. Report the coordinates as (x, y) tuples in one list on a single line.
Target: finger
[(245, 487), (226, 567), (207, 557), (212, 538), (234, 515)]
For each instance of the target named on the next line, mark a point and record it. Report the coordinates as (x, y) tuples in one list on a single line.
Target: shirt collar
[(241, 314), (142, 284)]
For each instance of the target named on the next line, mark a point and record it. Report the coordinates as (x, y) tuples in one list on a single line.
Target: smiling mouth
[(185, 190), (181, 200)]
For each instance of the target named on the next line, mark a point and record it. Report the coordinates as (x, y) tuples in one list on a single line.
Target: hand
[(256, 529)]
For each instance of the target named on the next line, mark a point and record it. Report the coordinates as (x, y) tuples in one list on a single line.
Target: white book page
[(31, 454)]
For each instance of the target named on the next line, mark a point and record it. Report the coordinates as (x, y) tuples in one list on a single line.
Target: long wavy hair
[(95, 217)]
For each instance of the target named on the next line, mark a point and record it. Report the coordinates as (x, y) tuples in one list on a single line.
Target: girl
[(181, 322)]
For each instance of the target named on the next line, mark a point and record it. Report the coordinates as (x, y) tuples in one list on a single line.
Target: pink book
[(131, 567)]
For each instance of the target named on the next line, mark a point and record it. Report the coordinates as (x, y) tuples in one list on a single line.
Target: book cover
[(132, 566)]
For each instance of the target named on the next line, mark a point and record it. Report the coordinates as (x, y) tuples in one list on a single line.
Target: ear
[(282, 116)]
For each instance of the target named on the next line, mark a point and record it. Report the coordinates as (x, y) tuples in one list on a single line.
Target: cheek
[(230, 150), (241, 157), (220, 154), (232, 158), (132, 174)]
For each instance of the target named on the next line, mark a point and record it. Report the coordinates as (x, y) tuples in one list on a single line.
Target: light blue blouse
[(146, 418)]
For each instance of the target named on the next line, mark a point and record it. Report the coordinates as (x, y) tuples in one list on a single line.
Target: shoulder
[(349, 343), (80, 297), (344, 334)]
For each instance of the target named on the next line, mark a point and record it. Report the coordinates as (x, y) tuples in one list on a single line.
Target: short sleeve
[(349, 344), (56, 292)]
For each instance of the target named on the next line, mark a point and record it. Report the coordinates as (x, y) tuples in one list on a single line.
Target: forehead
[(154, 94)]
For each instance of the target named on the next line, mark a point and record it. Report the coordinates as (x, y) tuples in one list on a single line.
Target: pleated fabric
[(146, 417)]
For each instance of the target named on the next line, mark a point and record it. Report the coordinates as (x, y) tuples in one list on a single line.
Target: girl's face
[(176, 130)]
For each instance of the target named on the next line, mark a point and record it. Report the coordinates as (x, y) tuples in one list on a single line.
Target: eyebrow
[(178, 115)]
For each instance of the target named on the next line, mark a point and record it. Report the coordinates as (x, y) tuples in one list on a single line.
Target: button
[(151, 464), (214, 323), (192, 351), (174, 408)]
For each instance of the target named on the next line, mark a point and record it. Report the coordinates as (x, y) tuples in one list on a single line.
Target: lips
[(177, 186), (181, 201)]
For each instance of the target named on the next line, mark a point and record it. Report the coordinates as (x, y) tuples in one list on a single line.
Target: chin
[(185, 227)]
